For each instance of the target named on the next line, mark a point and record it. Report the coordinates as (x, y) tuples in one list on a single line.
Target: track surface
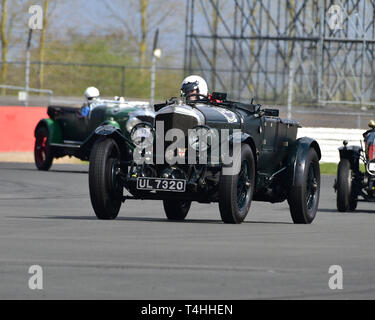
[(46, 219)]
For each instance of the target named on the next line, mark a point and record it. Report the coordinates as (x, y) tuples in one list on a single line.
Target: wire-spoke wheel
[(304, 199), (105, 188), (236, 191), (42, 151)]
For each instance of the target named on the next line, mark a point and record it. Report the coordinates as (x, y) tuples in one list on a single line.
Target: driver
[(372, 126), (194, 85), (91, 94)]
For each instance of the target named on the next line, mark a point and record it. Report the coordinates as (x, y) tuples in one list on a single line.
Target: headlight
[(202, 137), (132, 122), (371, 168), (142, 135)]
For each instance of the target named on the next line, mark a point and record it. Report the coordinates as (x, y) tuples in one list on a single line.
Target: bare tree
[(4, 43), (151, 17), (143, 43), (42, 43)]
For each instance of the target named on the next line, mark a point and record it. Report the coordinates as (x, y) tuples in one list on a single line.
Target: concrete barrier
[(330, 139)]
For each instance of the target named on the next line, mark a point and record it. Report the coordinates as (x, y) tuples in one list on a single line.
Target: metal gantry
[(247, 47)]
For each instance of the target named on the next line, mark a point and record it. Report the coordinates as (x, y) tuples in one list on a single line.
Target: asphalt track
[(46, 219)]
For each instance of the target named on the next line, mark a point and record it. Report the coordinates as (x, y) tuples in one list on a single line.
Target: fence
[(27, 92), (247, 48), (68, 80), (71, 79)]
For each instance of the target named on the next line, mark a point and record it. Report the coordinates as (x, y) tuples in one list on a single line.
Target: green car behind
[(67, 133)]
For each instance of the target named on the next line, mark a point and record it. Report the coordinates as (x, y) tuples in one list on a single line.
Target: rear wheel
[(236, 191), (304, 200), (176, 210), (105, 189), (345, 201), (42, 151)]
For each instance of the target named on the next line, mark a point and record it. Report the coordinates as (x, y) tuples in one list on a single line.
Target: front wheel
[(236, 191), (345, 201), (42, 151), (105, 190), (304, 199), (176, 210)]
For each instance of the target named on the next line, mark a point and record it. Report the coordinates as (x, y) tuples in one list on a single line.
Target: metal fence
[(247, 47), (71, 79)]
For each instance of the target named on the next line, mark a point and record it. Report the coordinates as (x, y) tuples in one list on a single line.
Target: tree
[(143, 43), (4, 43), (150, 18), (42, 43)]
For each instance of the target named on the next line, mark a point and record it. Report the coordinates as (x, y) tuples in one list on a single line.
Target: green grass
[(331, 168)]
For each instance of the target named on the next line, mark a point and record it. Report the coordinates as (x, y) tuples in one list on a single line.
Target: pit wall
[(17, 125)]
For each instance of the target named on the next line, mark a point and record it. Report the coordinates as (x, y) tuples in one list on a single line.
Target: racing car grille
[(177, 121)]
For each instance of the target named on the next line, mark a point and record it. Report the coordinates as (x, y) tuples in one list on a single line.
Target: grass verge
[(331, 168)]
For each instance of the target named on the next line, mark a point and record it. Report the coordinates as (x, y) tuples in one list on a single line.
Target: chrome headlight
[(132, 122), (142, 135), (201, 138)]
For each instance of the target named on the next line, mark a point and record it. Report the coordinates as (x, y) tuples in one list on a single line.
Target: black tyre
[(344, 200), (304, 199), (105, 191), (42, 151), (353, 204), (236, 191), (176, 210)]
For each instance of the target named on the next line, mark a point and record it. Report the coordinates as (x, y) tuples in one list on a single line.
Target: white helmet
[(92, 93), (192, 83)]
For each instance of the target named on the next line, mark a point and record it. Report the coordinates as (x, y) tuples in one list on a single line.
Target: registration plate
[(158, 184)]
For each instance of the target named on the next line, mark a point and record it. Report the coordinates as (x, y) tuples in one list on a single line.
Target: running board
[(63, 145)]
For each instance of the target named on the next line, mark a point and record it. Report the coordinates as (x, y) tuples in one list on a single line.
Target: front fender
[(108, 131), (111, 123), (351, 153), (297, 158), (246, 138), (54, 130)]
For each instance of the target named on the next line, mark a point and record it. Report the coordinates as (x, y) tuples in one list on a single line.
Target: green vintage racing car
[(68, 133)]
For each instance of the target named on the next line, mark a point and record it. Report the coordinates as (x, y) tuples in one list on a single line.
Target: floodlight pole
[(290, 85), (153, 69), (27, 71)]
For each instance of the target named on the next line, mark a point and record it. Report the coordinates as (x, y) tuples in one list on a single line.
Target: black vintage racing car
[(352, 184), (273, 166)]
